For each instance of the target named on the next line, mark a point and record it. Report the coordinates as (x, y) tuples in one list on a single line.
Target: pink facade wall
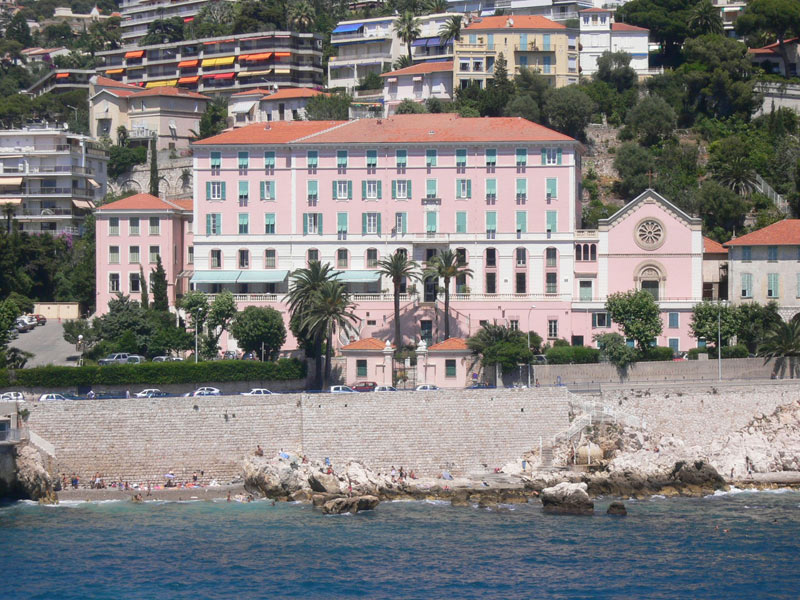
[(436, 369)]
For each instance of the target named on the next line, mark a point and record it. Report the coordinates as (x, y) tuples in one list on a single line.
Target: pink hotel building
[(501, 192)]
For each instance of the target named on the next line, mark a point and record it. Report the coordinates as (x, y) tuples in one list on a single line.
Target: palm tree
[(782, 343), (447, 266), (398, 267), (304, 284), (302, 16), (329, 309), (738, 175), (451, 30), (8, 212), (408, 29), (705, 18), (402, 62), (435, 7)]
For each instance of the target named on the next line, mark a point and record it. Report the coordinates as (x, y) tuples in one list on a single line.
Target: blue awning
[(215, 276), (348, 28), (267, 276), (419, 42), (356, 276)]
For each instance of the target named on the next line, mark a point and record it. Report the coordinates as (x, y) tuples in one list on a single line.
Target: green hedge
[(157, 373), (693, 352), (737, 351), (656, 353), (565, 355)]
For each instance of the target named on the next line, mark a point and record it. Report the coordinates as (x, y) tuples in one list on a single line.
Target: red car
[(40, 319), (364, 386)]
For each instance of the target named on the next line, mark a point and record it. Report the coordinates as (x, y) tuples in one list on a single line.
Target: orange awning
[(218, 42), (188, 63), (224, 76), (62, 75), (282, 54), (193, 79), (260, 56), (114, 71), (134, 54)]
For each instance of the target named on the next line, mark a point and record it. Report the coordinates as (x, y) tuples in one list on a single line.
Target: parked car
[(31, 320), (258, 392), (135, 359), (147, 393), (364, 386), (118, 358), (480, 386), (342, 389), (205, 391), (427, 387), (161, 359), (22, 325), (250, 356), (385, 388), (539, 359), (229, 355), (49, 397), (40, 319), (176, 359), (12, 397)]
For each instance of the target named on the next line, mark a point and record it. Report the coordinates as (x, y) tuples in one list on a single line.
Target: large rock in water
[(355, 504), (33, 480), (274, 478), (567, 498), (324, 483)]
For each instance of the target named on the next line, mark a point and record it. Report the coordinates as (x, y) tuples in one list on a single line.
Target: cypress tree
[(143, 286), (159, 287), (153, 168)]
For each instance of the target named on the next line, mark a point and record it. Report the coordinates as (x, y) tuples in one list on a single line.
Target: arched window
[(342, 259), (372, 258), (312, 255), (578, 252), (521, 256), (461, 256), (650, 281), (551, 257), (593, 252), (402, 252)]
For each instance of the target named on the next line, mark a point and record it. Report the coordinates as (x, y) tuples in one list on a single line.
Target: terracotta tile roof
[(277, 132), (365, 344), (36, 51), (171, 91), (183, 203), (519, 22), (450, 345), (626, 27), (254, 92), (713, 247), (771, 49), (138, 202), (113, 83), (421, 68), (287, 93), (782, 233)]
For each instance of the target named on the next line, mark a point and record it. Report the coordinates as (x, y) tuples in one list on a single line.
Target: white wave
[(733, 491), (657, 497)]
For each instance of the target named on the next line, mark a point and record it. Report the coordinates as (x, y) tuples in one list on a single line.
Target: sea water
[(736, 545)]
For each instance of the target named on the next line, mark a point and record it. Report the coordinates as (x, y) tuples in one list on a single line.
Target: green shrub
[(738, 351), (158, 373), (565, 355), (695, 351), (656, 353)]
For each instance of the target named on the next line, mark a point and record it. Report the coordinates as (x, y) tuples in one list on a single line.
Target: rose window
[(650, 233)]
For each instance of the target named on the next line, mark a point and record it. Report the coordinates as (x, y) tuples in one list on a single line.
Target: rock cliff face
[(33, 480), (567, 498)]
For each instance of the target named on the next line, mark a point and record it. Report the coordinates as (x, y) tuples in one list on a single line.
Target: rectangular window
[(214, 224), (772, 253), (523, 61), (113, 282), (313, 256), (491, 158), (155, 251), (546, 42), (772, 285), (135, 283), (372, 258), (552, 328), (190, 255), (600, 320), (244, 162), (113, 226), (371, 189), (113, 255), (269, 223), (491, 191), (550, 257), (312, 223), (584, 291), (342, 190), (216, 162), (551, 188), (371, 223), (552, 221), (312, 160), (463, 188), (491, 224), (401, 189), (674, 320), (341, 258), (244, 259), (551, 156), (522, 221), (547, 62), (361, 367), (267, 190), (430, 222), (244, 193), (244, 223), (551, 283), (520, 283), (269, 259), (747, 285), (341, 159), (522, 257), (523, 41), (372, 159), (522, 157), (461, 222), (522, 191), (430, 188), (133, 226), (133, 255), (401, 158), (341, 225), (747, 253), (461, 158), (269, 162), (430, 158), (215, 190), (490, 41), (491, 283), (312, 192), (491, 257), (450, 367), (216, 259), (400, 222)]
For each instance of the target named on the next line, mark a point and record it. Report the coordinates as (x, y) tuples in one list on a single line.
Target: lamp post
[(719, 339), (530, 366)]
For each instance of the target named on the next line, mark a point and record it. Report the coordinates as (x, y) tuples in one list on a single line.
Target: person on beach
[(402, 475), (229, 497), (259, 451), (394, 474), (194, 478), (75, 481), (412, 475)]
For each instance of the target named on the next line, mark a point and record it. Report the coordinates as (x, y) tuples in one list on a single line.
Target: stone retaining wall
[(142, 439)]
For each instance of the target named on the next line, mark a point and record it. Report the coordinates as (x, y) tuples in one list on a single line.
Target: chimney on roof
[(380, 122), (509, 22)]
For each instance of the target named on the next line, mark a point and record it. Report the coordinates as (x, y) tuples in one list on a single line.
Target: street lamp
[(530, 366), (719, 338)]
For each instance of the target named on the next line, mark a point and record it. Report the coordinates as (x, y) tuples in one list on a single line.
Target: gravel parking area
[(47, 344)]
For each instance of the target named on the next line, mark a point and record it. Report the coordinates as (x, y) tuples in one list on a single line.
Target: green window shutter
[(319, 223), (469, 188), (458, 188), (269, 160), (380, 191), (208, 190), (394, 189), (273, 191), (305, 224), (522, 221), (349, 190), (363, 223), (552, 221), (491, 220), (522, 186), (431, 221), (430, 188), (341, 158), (312, 158), (491, 157), (552, 187), (430, 158), (244, 160), (216, 160), (341, 222), (401, 158), (312, 187), (223, 190), (408, 188), (363, 189), (379, 223), (522, 157), (544, 156), (491, 186), (558, 153), (333, 193), (461, 157), (372, 158), (461, 222), (244, 188), (263, 186), (404, 221), (208, 224)]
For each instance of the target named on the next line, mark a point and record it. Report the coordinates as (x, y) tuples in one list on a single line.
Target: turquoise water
[(665, 548)]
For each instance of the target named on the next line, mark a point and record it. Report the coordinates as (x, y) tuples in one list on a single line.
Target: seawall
[(140, 440)]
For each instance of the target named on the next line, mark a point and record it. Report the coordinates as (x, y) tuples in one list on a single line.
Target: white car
[(147, 393), (385, 388), (206, 391), (49, 397), (342, 389), (12, 397), (427, 387), (258, 392)]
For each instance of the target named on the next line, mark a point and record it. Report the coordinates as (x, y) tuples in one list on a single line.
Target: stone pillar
[(422, 362), (387, 363)]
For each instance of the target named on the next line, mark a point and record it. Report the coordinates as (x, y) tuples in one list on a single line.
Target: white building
[(418, 83), (599, 33), (555, 10), (263, 106), (51, 177), (371, 46), (138, 14)]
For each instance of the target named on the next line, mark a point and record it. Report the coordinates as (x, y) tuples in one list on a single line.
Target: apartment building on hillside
[(137, 15), (599, 33), (532, 42)]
